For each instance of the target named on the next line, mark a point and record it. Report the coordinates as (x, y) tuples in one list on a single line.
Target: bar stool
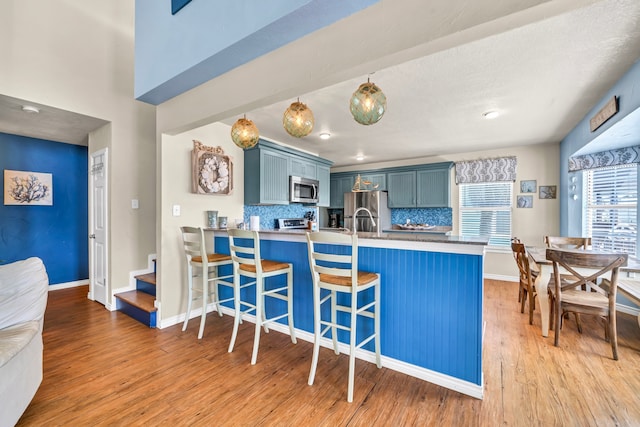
[(338, 273), (205, 266), (247, 262)]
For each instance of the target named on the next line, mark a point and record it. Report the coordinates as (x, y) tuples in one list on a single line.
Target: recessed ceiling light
[(30, 109), (491, 114), (360, 157), (325, 135)]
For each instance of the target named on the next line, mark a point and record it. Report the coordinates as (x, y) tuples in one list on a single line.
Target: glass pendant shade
[(298, 120), (368, 104), (244, 133)]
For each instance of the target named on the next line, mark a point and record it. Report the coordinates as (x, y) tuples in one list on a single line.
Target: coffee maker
[(334, 220)]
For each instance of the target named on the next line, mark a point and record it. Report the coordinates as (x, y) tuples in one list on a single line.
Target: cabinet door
[(433, 188), (379, 179), (274, 177), (323, 174), (339, 186), (402, 189), (303, 168)]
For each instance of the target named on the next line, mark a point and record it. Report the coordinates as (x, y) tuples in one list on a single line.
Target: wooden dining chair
[(560, 242), (595, 271), (527, 288)]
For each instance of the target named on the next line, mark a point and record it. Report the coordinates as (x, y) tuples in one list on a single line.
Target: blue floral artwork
[(28, 188)]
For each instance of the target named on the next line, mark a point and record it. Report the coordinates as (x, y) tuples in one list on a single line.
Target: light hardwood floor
[(103, 368)]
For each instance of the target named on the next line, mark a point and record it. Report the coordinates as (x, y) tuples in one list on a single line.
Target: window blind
[(611, 208), (485, 210)]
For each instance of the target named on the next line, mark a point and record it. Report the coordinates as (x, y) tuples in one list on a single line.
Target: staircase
[(140, 304)]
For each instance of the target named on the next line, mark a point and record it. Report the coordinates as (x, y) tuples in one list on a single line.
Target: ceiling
[(542, 75), (51, 124)]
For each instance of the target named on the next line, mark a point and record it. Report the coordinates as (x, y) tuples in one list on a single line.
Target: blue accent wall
[(431, 304), (581, 139), (57, 234), (175, 53)]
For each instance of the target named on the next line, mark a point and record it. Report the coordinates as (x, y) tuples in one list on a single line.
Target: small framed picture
[(547, 192), (525, 201), (528, 186)]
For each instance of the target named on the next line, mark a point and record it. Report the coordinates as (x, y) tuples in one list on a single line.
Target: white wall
[(77, 55), (175, 189)]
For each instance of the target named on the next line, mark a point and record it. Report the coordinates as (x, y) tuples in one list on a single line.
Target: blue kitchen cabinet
[(339, 185), (402, 189), (433, 188), (267, 168), (323, 177), (268, 181), (303, 168), (379, 179), (427, 186)]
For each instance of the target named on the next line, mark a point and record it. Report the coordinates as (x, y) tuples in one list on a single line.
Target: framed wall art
[(547, 192), (525, 201), (212, 170), (28, 188), (528, 186)]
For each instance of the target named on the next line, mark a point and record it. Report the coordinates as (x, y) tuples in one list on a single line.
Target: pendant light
[(298, 120), (244, 133), (368, 104)]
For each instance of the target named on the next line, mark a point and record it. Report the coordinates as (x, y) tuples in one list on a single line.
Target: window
[(610, 208), (485, 210)]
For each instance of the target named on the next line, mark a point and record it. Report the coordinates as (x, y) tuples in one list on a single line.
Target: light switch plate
[(134, 204), (176, 210)]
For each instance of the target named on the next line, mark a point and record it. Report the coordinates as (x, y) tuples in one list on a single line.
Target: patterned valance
[(486, 170), (621, 156)]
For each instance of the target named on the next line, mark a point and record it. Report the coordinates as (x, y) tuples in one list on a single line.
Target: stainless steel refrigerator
[(375, 202)]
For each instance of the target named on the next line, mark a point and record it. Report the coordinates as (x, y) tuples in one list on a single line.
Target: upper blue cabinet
[(420, 186), (267, 168)]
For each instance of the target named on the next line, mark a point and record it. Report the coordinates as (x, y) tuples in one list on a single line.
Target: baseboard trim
[(68, 285), (446, 381), (502, 278)]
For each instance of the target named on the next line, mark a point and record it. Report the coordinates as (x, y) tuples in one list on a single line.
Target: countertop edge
[(407, 241)]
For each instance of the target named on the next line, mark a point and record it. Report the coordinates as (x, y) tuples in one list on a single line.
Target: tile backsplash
[(431, 216), (269, 214)]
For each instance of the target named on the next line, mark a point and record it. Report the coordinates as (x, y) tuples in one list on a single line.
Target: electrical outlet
[(176, 210)]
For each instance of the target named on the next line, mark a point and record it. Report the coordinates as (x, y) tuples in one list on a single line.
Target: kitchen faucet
[(355, 219)]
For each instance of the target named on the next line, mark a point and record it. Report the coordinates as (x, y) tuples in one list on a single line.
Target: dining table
[(628, 284)]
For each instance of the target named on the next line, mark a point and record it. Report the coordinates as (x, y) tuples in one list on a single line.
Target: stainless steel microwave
[(303, 190)]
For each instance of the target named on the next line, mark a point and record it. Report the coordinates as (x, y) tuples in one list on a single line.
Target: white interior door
[(98, 255)]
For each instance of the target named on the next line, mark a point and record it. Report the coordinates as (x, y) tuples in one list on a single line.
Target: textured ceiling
[(543, 77), (52, 124), (543, 68)]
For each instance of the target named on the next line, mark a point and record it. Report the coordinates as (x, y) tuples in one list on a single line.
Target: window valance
[(621, 156), (486, 170)]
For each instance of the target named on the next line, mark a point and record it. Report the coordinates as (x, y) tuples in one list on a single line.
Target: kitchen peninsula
[(431, 300)]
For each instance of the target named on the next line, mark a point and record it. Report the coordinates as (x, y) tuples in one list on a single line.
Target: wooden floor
[(104, 368)]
